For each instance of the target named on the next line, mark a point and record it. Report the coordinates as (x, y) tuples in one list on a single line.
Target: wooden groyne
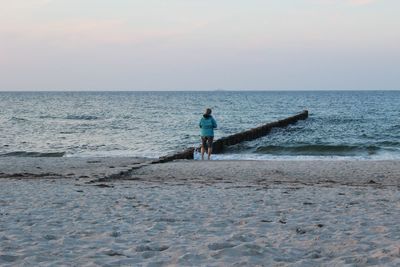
[(220, 144)]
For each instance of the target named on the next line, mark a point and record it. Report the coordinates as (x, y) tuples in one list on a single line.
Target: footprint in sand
[(8, 258), (222, 245), (143, 248)]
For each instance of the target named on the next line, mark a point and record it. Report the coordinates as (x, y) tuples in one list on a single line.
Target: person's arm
[(200, 122), (214, 123)]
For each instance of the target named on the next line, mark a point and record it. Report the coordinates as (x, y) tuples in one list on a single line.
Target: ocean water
[(341, 125)]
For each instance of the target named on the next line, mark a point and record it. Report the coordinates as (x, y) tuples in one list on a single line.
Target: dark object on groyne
[(220, 144)]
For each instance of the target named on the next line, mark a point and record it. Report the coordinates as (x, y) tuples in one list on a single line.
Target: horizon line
[(204, 90)]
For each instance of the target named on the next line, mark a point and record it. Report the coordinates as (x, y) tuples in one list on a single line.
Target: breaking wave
[(33, 154), (81, 117), (319, 150)]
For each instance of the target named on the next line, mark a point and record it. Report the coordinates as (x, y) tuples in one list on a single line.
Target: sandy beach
[(62, 211)]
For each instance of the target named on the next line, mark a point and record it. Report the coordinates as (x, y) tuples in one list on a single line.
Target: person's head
[(208, 111)]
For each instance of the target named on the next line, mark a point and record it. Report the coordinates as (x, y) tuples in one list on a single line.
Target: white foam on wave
[(231, 156), (113, 153), (380, 156)]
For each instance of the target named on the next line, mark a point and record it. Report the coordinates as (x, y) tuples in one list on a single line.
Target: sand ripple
[(59, 222)]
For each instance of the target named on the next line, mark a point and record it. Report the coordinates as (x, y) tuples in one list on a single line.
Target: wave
[(18, 119), (47, 117), (33, 154), (71, 117), (82, 117), (390, 143), (319, 150)]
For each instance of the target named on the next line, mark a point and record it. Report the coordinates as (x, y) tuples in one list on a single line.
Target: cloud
[(361, 2), (86, 32), (23, 4), (347, 2)]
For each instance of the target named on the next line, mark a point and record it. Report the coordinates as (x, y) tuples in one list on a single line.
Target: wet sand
[(225, 213), (274, 172), (60, 167)]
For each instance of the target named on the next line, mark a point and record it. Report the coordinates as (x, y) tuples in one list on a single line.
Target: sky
[(199, 45)]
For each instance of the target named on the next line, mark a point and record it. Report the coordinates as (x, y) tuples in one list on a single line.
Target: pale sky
[(199, 44)]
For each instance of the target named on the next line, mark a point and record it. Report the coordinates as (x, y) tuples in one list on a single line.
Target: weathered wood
[(186, 154), (255, 133), (220, 144)]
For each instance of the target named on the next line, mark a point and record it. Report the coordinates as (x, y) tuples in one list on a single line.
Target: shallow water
[(350, 125)]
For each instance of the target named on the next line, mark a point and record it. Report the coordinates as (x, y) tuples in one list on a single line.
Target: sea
[(359, 125)]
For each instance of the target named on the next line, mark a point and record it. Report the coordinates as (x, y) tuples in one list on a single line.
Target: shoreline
[(66, 167), (345, 172)]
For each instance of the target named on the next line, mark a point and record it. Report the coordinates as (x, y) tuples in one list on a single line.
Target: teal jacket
[(207, 125)]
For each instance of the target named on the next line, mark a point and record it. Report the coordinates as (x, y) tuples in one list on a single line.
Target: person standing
[(207, 125)]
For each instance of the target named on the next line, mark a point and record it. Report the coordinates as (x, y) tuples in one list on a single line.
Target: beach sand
[(211, 213)]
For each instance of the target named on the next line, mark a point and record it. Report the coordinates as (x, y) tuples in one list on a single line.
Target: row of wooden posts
[(220, 144)]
